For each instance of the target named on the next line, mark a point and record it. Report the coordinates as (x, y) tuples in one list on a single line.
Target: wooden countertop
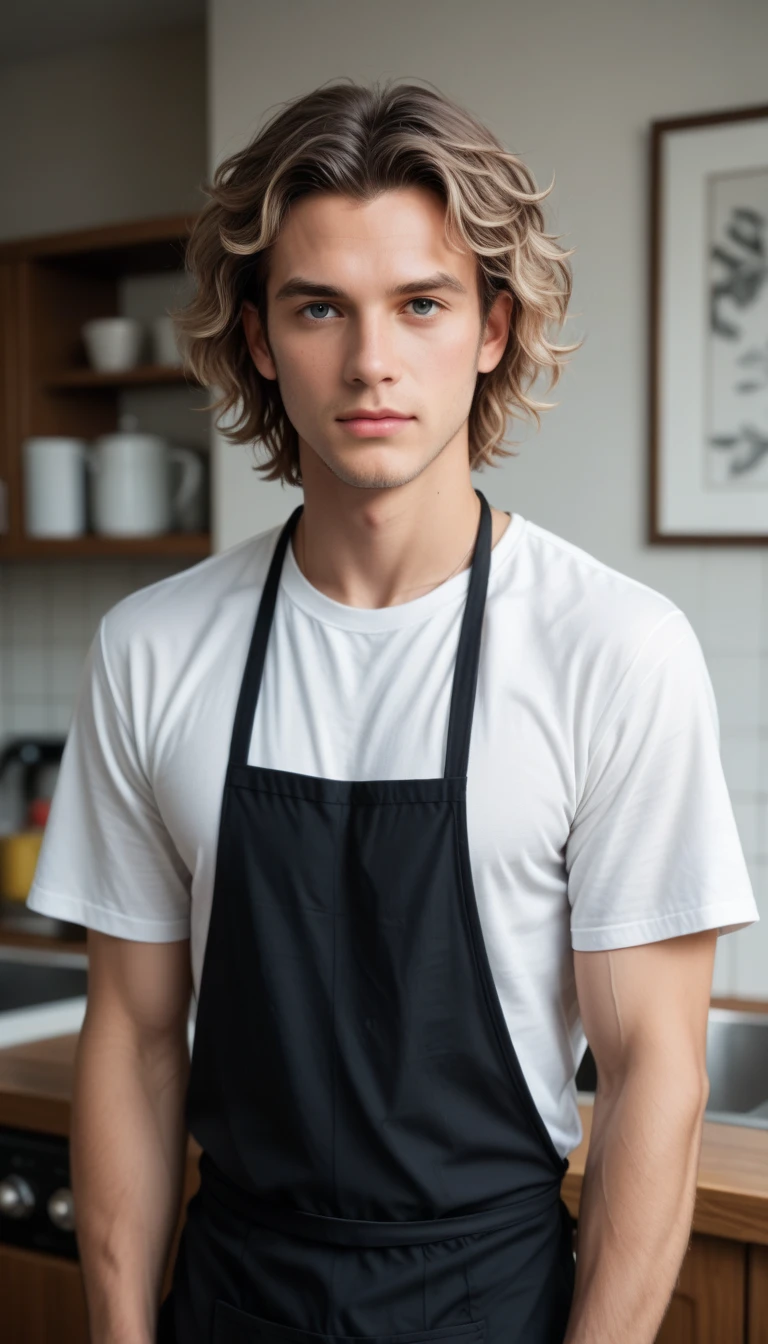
[(732, 1194)]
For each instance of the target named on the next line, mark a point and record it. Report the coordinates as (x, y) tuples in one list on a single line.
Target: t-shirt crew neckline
[(373, 619)]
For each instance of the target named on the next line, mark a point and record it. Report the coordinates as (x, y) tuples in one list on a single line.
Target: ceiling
[(43, 27)]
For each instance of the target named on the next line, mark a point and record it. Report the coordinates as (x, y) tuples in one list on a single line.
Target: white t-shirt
[(598, 812)]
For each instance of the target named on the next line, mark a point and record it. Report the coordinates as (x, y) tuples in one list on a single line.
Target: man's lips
[(375, 426), (376, 415)]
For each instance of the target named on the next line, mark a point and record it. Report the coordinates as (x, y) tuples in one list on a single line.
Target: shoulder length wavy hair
[(359, 141)]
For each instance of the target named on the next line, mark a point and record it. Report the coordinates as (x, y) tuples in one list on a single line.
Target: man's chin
[(364, 473)]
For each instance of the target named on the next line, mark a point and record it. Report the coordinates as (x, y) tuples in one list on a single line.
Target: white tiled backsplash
[(48, 616), (49, 613)]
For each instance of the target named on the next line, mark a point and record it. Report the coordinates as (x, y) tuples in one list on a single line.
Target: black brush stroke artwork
[(745, 264)]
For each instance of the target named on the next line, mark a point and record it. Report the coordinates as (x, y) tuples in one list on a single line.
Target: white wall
[(108, 132), (571, 87)]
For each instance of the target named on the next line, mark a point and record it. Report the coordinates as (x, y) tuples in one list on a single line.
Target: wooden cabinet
[(721, 1295), (708, 1304), (41, 1299), (757, 1295), (49, 287)]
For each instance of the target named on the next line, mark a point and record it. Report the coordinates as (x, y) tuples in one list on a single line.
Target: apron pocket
[(233, 1326)]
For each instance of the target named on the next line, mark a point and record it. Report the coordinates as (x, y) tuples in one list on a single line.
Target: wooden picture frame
[(709, 328)]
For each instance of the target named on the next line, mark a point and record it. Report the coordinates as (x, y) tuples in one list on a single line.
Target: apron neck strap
[(468, 655), (467, 658), (254, 667)]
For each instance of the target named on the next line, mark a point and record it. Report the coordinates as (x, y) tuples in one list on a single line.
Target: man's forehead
[(330, 246)]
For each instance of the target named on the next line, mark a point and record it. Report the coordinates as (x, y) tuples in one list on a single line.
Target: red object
[(37, 812)]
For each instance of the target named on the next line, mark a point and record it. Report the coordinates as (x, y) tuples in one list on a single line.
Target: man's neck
[(375, 557)]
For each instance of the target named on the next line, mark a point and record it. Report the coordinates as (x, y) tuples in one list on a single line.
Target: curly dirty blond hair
[(359, 141)]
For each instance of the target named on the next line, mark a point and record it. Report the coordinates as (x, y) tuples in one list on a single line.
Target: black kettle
[(32, 754)]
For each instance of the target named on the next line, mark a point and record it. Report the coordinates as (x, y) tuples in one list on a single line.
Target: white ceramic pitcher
[(131, 491)]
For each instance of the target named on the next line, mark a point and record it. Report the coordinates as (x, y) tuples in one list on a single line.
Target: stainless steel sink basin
[(737, 1066), (30, 976)]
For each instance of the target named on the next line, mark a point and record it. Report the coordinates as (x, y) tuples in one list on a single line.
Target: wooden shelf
[(130, 248), (142, 375), (168, 546), (49, 287)]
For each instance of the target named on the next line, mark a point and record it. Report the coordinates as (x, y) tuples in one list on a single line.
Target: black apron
[(374, 1164)]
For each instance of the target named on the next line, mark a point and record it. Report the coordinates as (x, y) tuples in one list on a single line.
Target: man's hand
[(645, 1012)]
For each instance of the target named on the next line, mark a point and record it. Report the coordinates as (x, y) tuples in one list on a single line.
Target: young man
[(434, 792)]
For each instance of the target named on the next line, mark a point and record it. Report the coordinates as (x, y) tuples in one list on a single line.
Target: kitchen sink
[(737, 1066), (31, 976)]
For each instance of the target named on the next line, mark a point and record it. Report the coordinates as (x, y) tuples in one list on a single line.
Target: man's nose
[(372, 352)]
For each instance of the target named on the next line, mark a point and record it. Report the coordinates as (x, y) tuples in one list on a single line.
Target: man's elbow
[(675, 1079)]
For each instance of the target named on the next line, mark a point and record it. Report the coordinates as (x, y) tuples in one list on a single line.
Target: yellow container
[(18, 859)]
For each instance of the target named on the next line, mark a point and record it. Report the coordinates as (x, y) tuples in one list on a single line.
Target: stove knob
[(61, 1209), (17, 1199)]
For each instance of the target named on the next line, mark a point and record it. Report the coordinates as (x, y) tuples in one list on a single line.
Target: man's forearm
[(636, 1206), (127, 1149)]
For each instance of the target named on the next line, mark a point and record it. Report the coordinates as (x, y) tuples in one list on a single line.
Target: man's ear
[(496, 333), (255, 340)]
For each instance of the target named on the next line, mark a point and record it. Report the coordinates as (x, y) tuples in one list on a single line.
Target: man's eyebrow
[(299, 286)]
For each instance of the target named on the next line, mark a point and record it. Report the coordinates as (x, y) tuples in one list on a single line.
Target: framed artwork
[(709, 328)]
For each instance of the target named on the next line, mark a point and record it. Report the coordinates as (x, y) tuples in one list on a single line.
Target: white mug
[(113, 344), (131, 492), (54, 486)]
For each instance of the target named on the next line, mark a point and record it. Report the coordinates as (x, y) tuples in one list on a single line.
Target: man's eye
[(315, 305), (433, 301)]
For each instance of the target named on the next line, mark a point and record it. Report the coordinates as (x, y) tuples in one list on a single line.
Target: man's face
[(350, 343)]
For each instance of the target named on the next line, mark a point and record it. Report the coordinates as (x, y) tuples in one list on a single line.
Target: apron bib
[(374, 1168)]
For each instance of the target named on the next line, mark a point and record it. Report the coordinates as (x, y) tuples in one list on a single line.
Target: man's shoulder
[(572, 570), (596, 616), (174, 616)]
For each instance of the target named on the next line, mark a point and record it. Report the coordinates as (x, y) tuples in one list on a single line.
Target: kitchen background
[(110, 115)]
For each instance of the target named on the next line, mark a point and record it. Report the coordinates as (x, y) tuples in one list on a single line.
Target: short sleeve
[(653, 850), (106, 860)]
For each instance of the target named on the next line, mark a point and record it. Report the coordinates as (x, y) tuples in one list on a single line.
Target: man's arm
[(128, 1140), (644, 1011)]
